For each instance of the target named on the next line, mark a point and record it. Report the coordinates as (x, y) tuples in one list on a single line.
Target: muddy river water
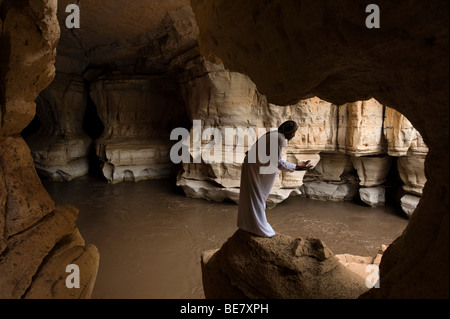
[(150, 236)]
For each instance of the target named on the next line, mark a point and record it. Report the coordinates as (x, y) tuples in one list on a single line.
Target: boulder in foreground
[(281, 267)]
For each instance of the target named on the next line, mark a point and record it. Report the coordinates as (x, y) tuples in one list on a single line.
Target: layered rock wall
[(295, 50), (60, 148), (38, 239), (138, 113), (139, 106), (347, 144), (406, 143), (291, 52), (229, 103), (124, 69)]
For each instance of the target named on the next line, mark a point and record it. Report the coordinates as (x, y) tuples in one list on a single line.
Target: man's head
[(288, 128)]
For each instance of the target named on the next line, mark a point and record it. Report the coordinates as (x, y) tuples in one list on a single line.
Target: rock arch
[(299, 49), (292, 50)]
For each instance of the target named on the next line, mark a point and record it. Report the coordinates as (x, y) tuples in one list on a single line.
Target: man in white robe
[(258, 174)]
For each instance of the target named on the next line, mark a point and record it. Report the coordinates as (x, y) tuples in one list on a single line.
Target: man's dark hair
[(288, 127)]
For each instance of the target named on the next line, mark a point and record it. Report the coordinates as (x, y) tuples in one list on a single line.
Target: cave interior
[(103, 99)]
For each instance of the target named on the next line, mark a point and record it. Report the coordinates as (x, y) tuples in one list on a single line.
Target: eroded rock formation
[(295, 50), (147, 76), (405, 142), (248, 266), (347, 143), (229, 108), (60, 148), (137, 112), (37, 239), (109, 57), (165, 82), (363, 265)]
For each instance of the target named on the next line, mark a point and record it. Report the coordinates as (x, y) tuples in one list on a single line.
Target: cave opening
[(128, 112), (104, 134), (330, 206)]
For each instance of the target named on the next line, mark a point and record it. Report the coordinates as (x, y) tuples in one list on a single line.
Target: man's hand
[(303, 166)]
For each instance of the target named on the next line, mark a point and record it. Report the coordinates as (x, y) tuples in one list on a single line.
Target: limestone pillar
[(405, 142), (61, 147), (38, 240)]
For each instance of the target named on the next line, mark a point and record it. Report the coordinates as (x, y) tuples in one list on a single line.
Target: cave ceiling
[(110, 30)]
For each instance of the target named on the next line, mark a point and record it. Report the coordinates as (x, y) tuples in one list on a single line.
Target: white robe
[(255, 187)]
